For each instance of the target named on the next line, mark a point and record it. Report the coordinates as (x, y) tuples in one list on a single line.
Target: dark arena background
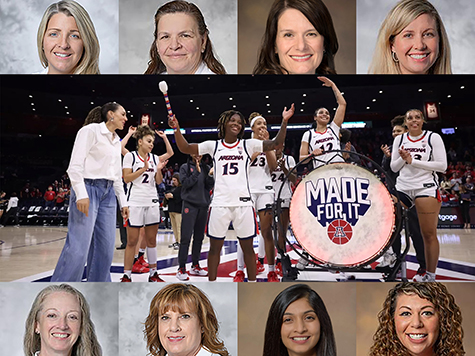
[(40, 116)]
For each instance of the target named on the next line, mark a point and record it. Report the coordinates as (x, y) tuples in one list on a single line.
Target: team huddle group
[(245, 178)]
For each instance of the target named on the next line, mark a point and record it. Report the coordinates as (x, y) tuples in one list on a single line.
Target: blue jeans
[(89, 238)]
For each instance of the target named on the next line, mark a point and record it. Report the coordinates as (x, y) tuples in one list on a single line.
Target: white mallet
[(164, 89)]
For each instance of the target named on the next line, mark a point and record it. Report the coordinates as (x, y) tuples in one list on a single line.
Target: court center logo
[(338, 204)]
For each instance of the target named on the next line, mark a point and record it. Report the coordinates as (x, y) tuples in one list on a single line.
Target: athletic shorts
[(242, 217), (140, 216), (262, 201), (409, 196), (285, 203)]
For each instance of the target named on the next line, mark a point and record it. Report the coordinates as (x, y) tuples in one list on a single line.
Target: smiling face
[(300, 330), (234, 126), (59, 323), (119, 116), (259, 124), (180, 332), (322, 116), (298, 44), (179, 43), (417, 46), (146, 143), (62, 44), (417, 324)]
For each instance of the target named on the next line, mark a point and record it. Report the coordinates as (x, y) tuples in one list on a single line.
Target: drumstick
[(164, 88)]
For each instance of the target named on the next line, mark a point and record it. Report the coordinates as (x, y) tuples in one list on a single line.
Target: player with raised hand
[(231, 200), (324, 135)]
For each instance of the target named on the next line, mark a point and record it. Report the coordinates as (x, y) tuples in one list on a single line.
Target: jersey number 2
[(145, 179)]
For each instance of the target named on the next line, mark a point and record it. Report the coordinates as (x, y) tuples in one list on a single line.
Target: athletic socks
[(152, 271), (128, 273), (141, 252), (152, 255), (271, 268)]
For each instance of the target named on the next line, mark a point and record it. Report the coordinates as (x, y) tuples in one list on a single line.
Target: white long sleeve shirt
[(428, 156), (96, 155)]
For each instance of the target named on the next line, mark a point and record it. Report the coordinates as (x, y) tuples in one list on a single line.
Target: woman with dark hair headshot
[(299, 324), (182, 44), (95, 172), (299, 39), (67, 41), (419, 319), (182, 322), (60, 310)]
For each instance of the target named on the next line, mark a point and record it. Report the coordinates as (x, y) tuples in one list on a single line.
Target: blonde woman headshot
[(415, 37), (75, 319), (62, 37)]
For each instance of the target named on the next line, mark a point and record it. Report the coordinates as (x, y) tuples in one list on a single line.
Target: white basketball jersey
[(327, 141), (142, 191), (231, 170), (259, 175), (278, 178), (421, 149)]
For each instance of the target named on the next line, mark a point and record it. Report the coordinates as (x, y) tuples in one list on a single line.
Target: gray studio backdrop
[(457, 15), (134, 303), (137, 25), (19, 21), (16, 300)]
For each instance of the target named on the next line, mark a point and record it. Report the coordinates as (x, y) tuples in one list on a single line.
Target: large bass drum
[(342, 215)]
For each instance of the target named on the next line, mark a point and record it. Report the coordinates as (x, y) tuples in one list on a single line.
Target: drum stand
[(291, 273)]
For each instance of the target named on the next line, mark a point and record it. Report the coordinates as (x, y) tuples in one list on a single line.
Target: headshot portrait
[(62, 37), (272, 315), (297, 37), (415, 37), (178, 318), (87, 314), (415, 318), (178, 37)]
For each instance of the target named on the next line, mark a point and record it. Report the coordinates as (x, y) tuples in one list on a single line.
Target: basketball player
[(142, 170), (417, 155), (325, 135), (140, 265), (389, 258), (232, 199), (262, 193)]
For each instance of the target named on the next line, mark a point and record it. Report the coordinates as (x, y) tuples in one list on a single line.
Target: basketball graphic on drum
[(342, 215)]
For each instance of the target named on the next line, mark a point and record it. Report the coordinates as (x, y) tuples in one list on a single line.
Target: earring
[(395, 59), (112, 118)]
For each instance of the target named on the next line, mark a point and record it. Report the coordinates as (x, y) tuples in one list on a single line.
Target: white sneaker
[(182, 275), (424, 278), (302, 263), (198, 271), (389, 259)]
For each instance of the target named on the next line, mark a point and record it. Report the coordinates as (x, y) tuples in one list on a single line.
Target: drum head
[(342, 215)]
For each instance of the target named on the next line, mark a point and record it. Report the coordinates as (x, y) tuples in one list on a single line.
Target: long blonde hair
[(86, 344), (399, 18), (89, 62)]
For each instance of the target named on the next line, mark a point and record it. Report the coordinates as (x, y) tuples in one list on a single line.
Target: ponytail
[(99, 113)]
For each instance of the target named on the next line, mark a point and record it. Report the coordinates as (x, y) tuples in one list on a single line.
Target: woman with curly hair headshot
[(419, 319)]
